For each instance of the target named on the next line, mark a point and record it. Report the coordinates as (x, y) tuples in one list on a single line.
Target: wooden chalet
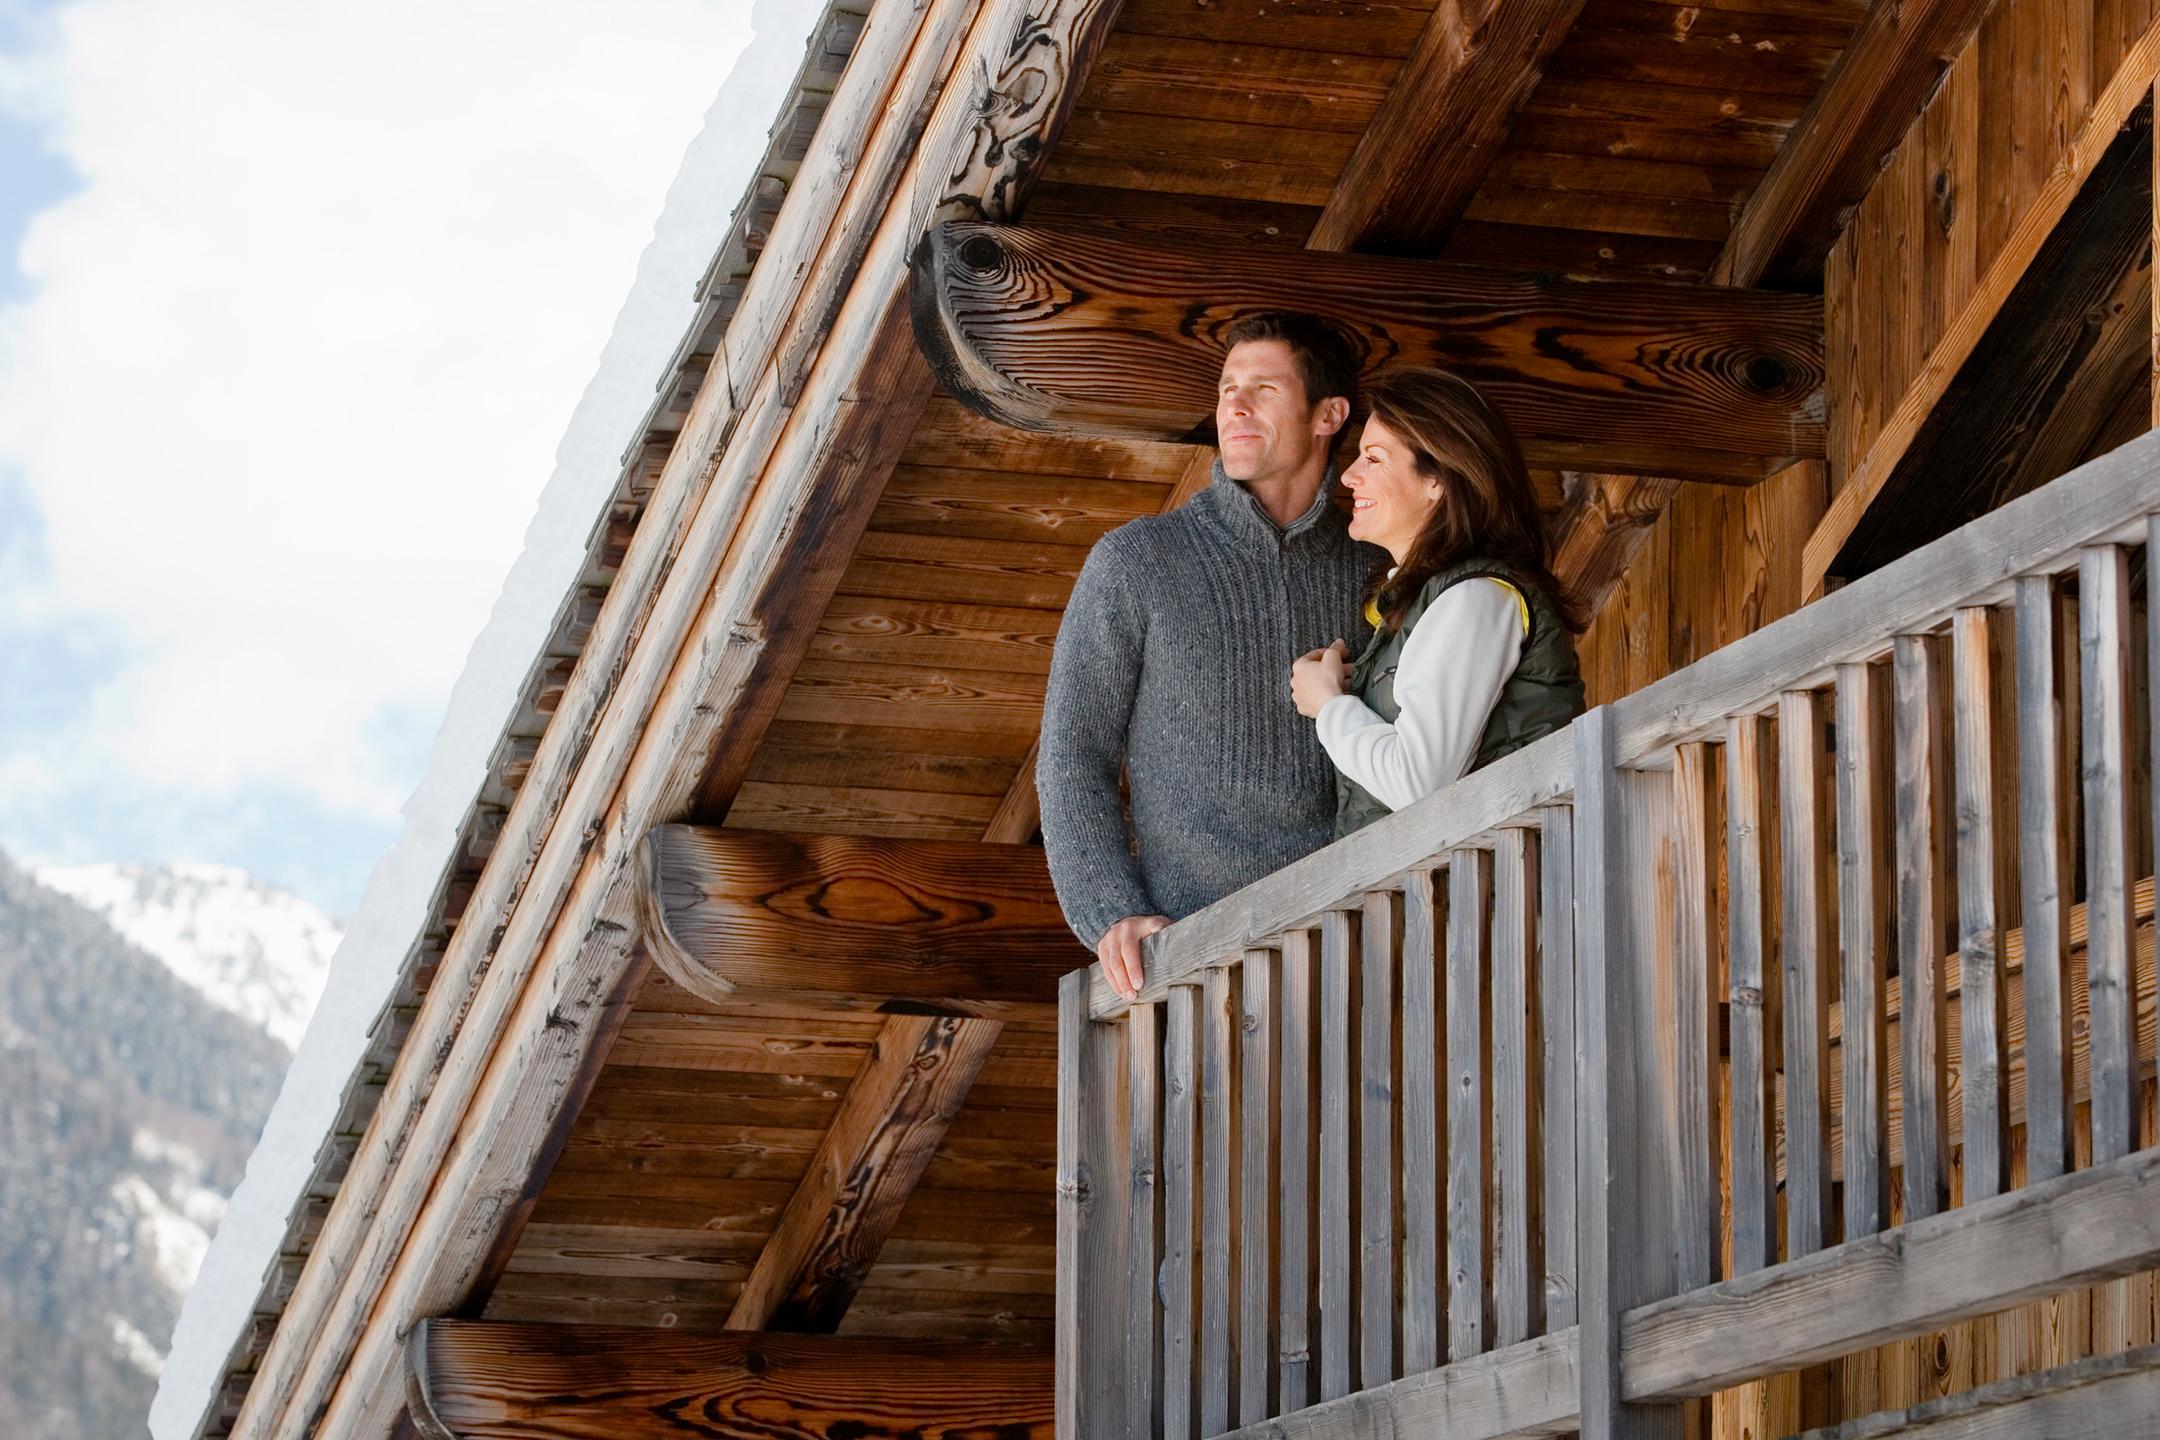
[(1772, 1052)]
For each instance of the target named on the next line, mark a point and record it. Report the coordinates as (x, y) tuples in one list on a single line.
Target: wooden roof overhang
[(789, 719)]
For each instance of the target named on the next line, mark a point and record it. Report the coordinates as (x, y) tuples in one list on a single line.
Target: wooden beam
[(2051, 1236), (2097, 1398), (888, 1128), (1087, 331), (2112, 107), (470, 1380), (2072, 308), (1606, 520), (951, 926), (1834, 151), (780, 460), (1426, 151)]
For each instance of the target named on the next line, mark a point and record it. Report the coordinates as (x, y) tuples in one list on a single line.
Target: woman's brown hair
[(1488, 507)]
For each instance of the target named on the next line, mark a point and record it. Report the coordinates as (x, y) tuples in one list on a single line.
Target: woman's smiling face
[(1390, 500)]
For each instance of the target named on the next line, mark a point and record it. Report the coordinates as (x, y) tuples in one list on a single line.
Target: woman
[(1472, 653)]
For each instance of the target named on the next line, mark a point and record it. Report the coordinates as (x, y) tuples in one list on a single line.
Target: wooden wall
[(1957, 214)]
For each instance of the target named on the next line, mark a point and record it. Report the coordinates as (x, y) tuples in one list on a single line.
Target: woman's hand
[(1317, 677)]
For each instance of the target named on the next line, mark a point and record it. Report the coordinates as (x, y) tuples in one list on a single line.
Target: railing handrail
[(1297, 894), (2101, 501)]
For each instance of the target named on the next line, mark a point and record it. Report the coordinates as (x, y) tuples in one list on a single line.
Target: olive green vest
[(1544, 693)]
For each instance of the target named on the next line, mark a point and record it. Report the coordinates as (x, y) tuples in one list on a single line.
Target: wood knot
[(981, 253)]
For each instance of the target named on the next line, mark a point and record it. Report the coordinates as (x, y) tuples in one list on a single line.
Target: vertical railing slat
[(1807, 940), (1218, 1167), (1863, 851), (1556, 994), (1295, 1255), (1750, 872), (1468, 1154), (2044, 879), (1924, 917), (1379, 930), (1695, 1070), (1092, 1189), (1143, 1133), (1518, 1276), (1180, 1159), (1982, 1002), (1422, 1160), (2111, 921), (1338, 1221), (1259, 1101)]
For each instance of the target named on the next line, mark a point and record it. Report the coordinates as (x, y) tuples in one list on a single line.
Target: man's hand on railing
[(1119, 951)]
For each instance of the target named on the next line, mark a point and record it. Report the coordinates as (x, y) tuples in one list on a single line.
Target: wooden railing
[(1422, 1134)]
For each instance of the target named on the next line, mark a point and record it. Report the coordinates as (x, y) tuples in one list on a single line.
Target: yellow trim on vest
[(1373, 616), (1522, 606)]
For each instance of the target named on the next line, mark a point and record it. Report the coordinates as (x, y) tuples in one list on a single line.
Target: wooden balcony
[(1597, 1081)]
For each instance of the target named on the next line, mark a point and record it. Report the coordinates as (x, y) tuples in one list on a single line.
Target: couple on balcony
[(1206, 652)]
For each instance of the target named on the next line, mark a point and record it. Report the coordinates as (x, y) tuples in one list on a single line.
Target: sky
[(296, 301)]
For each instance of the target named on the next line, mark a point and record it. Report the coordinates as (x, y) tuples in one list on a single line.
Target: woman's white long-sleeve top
[(1458, 657)]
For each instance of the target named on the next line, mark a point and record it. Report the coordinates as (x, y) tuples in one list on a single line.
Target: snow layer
[(251, 948), (715, 172)]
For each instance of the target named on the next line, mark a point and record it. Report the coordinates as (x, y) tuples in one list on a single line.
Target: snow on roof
[(687, 282)]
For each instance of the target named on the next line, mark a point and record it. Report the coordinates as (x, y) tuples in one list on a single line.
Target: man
[(1174, 657)]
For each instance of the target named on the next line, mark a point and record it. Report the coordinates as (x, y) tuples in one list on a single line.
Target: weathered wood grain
[(1517, 1138), (1556, 995), (1752, 866), (1144, 1246), (1259, 1176), (1181, 1212), (1926, 916), (1428, 149), (1337, 1154), (1092, 1224), (2044, 851), (1469, 1148), (1864, 941), (475, 1380), (1807, 953), (2097, 1398), (1982, 855), (2048, 1236), (1624, 1136), (738, 915), (1527, 1389), (1422, 1037), (892, 1121), (1296, 1286), (2104, 638), (1695, 1017), (1380, 927), (1718, 383), (1219, 1191)]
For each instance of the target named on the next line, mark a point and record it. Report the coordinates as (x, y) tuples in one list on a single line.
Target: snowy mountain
[(247, 946), (128, 1105)]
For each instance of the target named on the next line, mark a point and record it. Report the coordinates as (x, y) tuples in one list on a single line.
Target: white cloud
[(297, 355)]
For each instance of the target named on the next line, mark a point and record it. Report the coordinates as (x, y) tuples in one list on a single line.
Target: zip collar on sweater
[(1237, 511)]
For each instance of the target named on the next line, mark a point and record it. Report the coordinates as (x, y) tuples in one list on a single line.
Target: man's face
[(1264, 425)]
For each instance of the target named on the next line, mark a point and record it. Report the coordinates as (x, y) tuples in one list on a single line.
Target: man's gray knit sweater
[(1174, 660)]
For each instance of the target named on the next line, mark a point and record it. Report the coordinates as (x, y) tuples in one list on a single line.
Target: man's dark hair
[(1325, 361)]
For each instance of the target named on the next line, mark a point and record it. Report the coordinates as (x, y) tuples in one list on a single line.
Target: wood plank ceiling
[(920, 699)]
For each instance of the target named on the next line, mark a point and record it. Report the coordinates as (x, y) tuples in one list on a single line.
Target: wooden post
[(2044, 855), (1807, 954), (2104, 638), (1556, 997), (1181, 1156), (1626, 1123), (1295, 1281), (1143, 1134), (1750, 886), (1259, 1178), (1982, 1001), (1338, 1221), (1469, 1156), (1863, 851), (1518, 1274), (1421, 1129), (1218, 1196), (1091, 1218), (1924, 917), (1380, 932)]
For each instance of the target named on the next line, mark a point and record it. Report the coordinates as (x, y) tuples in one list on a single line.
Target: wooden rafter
[(936, 925), (1879, 83), (888, 1128), (1605, 521), (470, 1380), (1427, 149), (1083, 331), (786, 441), (2044, 381)]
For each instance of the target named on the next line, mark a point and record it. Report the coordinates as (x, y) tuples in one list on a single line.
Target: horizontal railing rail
[(1427, 1127)]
